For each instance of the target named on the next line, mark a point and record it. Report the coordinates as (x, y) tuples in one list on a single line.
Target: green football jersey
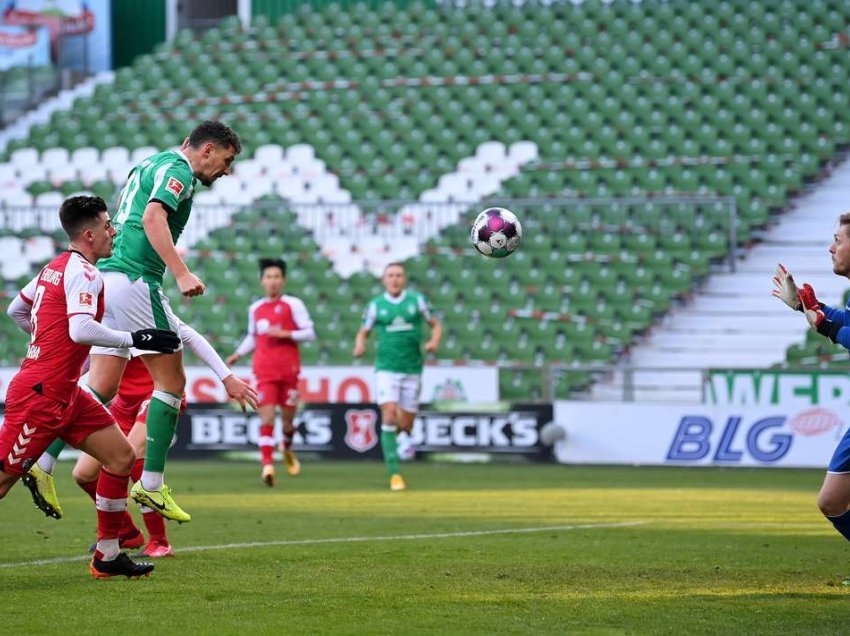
[(166, 178), (398, 322)]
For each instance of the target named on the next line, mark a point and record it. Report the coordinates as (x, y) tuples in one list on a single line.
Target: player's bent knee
[(122, 460), (389, 415), (84, 476), (832, 505)]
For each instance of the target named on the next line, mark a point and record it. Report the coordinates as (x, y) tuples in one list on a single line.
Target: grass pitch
[(468, 549)]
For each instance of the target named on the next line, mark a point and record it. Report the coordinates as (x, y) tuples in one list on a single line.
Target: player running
[(834, 323), (61, 309), (398, 315), (152, 212), (129, 408), (276, 324)]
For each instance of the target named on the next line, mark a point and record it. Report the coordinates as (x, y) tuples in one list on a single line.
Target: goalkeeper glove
[(160, 340), (786, 289), (814, 313)]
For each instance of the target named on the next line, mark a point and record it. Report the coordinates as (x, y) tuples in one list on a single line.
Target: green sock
[(163, 413), (55, 448), (389, 445)]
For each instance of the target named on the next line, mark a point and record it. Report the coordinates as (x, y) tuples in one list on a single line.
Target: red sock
[(287, 439), (266, 443), (111, 504), (136, 470), (156, 527), (90, 488)]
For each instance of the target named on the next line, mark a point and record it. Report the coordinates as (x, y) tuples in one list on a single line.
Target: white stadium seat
[(115, 155), (83, 157), (137, 155), (55, 157), (24, 157), (269, 154)]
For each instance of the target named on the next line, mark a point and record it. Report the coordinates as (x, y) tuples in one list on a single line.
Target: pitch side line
[(400, 537)]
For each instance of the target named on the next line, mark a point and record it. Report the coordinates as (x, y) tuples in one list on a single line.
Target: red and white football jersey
[(276, 358), (68, 285)]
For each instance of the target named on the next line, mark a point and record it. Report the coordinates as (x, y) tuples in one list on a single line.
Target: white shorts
[(401, 388), (133, 305)]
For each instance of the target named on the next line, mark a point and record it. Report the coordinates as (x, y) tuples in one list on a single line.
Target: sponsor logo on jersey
[(360, 433), (86, 299), (399, 324), (51, 276), (174, 186)]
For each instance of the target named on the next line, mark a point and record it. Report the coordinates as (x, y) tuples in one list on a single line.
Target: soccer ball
[(496, 232)]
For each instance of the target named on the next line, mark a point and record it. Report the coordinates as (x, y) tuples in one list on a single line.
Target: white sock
[(108, 548), (46, 462), (151, 480)]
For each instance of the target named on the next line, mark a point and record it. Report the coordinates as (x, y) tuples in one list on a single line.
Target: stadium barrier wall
[(477, 384), (786, 387), (788, 436), (352, 431)]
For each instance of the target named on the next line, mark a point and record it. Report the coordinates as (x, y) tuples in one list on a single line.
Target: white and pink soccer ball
[(496, 233)]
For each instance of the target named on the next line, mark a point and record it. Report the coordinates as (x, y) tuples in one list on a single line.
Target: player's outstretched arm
[(155, 222), (819, 320), (245, 347), (240, 391), (84, 329), (436, 335), (785, 289), (360, 342)]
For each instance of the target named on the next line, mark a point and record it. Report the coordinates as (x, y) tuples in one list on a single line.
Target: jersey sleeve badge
[(174, 186)]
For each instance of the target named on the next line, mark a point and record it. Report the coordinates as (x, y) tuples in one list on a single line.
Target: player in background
[(276, 324), (129, 408), (153, 210), (61, 309), (834, 323), (397, 314)]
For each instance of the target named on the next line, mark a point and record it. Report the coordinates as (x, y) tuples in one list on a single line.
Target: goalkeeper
[(833, 323)]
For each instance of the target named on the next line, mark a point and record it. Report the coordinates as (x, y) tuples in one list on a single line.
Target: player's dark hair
[(216, 132), (843, 220), (394, 264), (78, 213), (265, 263)]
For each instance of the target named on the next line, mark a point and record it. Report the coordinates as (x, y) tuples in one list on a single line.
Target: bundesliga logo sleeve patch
[(174, 186), (86, 299)]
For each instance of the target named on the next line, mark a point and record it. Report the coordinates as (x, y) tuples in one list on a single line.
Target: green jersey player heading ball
[(397, 315), (153, 210)]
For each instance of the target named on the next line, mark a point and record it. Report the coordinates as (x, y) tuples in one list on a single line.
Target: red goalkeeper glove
[(813, 310)]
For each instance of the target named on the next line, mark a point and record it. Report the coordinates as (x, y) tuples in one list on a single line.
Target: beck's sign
[(353, 430)]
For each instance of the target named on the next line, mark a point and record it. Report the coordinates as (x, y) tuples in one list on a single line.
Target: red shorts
[(33, 421), (142, 416), (278, 393), (126, 412)]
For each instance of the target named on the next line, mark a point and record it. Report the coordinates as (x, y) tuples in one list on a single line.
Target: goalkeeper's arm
[(834, 314)]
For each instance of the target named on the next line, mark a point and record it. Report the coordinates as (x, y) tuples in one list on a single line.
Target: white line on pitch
[(399, 537)]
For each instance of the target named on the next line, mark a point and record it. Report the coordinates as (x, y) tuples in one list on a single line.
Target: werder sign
[(771, 387)]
